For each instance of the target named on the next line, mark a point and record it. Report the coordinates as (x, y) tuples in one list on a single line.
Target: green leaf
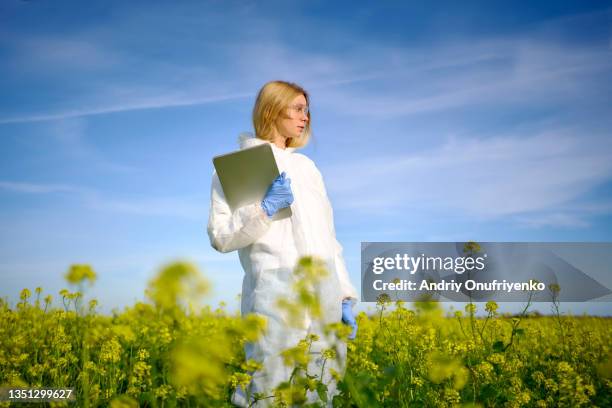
[(322, 391), (498, 346)]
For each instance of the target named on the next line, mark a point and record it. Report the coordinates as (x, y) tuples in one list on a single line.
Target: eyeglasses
[(299, 109)]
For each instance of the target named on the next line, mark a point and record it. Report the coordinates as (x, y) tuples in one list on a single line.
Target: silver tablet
[(245, 176)]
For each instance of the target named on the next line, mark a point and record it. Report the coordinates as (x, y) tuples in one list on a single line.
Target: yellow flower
[(470, 308), (442, 367), (240, 379), (123, 401), (383, 299), (329, 354), (251, 366), (79, 273), (111, 351), (163, 391), (25, 294), (497, 358), (143, 354), (296, 355), (335, 374), (491, 306), (176, 284)]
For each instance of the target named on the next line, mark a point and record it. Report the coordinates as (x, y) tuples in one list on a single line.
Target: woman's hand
[(348, 317), (279, 195)]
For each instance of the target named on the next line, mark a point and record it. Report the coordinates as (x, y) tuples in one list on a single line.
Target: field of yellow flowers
[(170, 352)]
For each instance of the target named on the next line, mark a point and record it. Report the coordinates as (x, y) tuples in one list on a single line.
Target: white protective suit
[(268, 252)]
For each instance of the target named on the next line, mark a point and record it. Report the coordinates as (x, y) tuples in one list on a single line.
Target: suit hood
[(247, 139)]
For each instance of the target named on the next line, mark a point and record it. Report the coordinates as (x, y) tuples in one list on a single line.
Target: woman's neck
[(279, 140)]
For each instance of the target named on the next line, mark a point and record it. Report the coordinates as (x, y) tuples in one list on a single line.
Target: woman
[(269, 250)]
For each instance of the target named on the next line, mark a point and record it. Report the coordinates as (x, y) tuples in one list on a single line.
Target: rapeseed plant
[(171, 352)]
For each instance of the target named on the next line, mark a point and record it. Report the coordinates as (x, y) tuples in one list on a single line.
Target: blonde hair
[(272, 101)]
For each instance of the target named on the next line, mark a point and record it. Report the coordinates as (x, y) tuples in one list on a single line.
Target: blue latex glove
[(348, 318), (278, 196)]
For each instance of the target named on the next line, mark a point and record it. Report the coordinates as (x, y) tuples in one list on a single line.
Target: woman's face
[(292, 122)]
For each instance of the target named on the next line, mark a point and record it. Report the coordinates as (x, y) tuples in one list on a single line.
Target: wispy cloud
[(482, 178), (475, 79), (194, 207), (72, 139), (160, 101), (571, 215), (556, 219), (61, 53), (494, 72), (188, 207), (396, 81), (38, 188)]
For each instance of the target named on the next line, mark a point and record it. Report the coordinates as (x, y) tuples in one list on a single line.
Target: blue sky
[(489, 121)]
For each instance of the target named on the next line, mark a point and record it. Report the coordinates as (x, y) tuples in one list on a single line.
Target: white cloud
[(492, 72), (481, 178), (194, 207), (66, 53), (555, 219), (138, 102), (71, 136), (39, 188), (395, 82)]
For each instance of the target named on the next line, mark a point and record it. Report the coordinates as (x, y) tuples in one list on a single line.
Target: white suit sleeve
[(231, 231), (347, 288)]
